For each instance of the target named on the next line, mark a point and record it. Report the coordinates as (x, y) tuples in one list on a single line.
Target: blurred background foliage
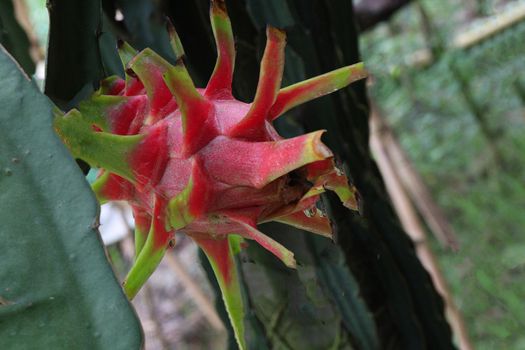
[(440, 127), (459, 113)]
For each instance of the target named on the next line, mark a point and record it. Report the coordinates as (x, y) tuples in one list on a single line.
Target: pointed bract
[(250, 231), (270, 76), (149, 159), (175, 42), (257, 164), (142, 226), (220, 254), (126, 54), (198, 122), (112, 85), (313, 88), (98, 108), (150, 68), (317, 222), (152, 251), (114, 113), (99, 149), (111, 187), (192, 200), (338, 183), (220, 82)]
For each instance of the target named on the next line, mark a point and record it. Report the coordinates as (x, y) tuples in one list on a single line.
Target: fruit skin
[(199, 161)]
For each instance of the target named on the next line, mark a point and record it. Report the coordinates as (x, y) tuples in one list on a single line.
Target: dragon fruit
[(197, 160)]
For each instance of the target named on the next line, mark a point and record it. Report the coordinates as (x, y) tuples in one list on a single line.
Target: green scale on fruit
[(200, 161)]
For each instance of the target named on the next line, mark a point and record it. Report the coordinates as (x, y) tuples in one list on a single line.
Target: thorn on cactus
[(200, 161)]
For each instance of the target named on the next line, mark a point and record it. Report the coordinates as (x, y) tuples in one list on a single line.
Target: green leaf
[(14, 38), (57, 289)]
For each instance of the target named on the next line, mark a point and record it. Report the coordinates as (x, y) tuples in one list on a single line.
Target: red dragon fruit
[(199, 161)]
